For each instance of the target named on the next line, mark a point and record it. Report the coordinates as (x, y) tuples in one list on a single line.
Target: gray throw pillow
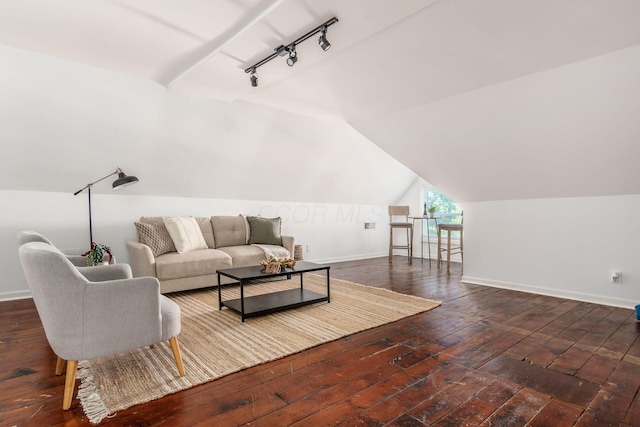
[(264, 231)]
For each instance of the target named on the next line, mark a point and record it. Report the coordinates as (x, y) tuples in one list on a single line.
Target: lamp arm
[(118, 170)]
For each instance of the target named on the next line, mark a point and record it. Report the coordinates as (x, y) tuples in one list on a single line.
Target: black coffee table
[(275, 301)]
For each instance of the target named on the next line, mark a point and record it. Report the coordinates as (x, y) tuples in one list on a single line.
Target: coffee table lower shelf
[(276, 301)]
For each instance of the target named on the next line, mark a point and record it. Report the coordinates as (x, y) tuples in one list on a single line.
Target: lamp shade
[(323, 42), (124, 180)]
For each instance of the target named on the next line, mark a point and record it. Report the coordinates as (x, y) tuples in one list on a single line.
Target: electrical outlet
[(308, 248), (369, 225), (616, 277)]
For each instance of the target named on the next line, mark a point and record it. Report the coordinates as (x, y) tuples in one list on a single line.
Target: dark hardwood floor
[(485, 357)]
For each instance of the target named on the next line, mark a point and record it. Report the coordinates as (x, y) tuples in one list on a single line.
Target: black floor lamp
[(120, 182)]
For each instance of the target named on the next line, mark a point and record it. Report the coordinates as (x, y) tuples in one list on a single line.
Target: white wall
[(332, 232), (570, 131), (65, 124), (566, 247)]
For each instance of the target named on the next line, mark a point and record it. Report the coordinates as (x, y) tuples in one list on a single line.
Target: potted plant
[(95, 255), (432, 210)]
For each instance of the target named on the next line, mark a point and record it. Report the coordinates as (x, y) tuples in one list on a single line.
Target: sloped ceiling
[(488, 100)]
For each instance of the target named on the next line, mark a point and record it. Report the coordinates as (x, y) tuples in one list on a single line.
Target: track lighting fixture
[(293, 57), (290, 49), (322, 41)]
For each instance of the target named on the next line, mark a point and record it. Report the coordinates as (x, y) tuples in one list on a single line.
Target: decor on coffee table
[(274, 265), (271, 265), (214, 343)]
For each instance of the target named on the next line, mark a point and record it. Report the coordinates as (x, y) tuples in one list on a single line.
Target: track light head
[(290, 49), (322, 41), (293, 57)]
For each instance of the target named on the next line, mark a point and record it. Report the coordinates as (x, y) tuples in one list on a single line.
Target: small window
[(447, 211)]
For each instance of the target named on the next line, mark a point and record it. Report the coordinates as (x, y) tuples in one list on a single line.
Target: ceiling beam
[(256, 18)]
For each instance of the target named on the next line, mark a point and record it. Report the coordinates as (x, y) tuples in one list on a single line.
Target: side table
[(424, 218)]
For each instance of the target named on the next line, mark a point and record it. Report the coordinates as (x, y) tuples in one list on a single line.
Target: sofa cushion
[(264, 230), (245, 255), (151, 219), (190, 264), (185, 233), (156, 236), (229, 230), (207, 231)]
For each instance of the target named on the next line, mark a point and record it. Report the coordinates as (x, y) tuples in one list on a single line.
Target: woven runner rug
[(215, 342)]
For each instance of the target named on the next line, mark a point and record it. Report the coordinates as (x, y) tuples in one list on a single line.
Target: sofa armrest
[(141, 259), (287, 242)]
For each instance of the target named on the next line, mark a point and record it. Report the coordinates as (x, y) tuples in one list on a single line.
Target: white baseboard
[(455, 258), (560, 293), (368, 256), (9, 296), (347, 258)]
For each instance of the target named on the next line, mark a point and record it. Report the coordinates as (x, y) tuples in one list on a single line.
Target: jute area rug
[(215, 342)]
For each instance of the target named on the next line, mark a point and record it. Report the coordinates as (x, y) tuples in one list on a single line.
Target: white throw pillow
[(185, 233)]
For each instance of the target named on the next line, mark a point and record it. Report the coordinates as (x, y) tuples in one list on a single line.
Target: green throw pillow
[(264, 231)]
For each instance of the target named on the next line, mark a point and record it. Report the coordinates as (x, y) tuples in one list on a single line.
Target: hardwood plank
[(565, 387), (445, 367), (556, 414), (525, 405)]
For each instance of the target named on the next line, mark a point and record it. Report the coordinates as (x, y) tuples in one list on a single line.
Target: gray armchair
[(96, 311), (74, 255)]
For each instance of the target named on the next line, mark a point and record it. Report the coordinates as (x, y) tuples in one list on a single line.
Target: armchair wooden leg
[(59, 366), (69, 383), (176, 354)]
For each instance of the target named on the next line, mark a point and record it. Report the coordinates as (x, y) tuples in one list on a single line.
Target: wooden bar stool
[(449, 228), (400, 211)]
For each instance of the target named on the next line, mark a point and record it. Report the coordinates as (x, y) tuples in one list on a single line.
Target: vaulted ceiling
[(493, 99)]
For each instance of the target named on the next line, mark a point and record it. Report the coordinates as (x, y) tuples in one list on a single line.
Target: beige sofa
[(227, 245)]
